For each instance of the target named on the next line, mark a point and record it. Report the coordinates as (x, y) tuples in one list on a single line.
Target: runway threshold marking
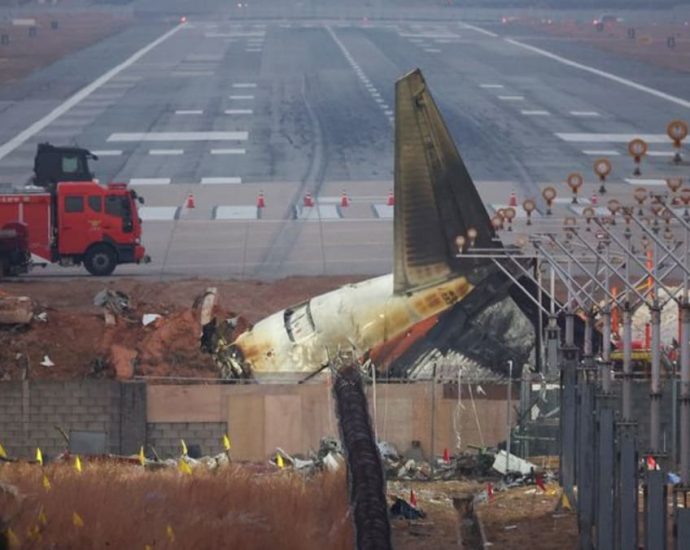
[(610, 76), (66, 105), (583, 137), (178, 136), (164, 152)]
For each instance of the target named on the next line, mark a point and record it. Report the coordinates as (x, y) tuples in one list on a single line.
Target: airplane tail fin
[(436, 200)]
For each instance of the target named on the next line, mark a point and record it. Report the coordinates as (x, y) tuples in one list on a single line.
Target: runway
[(227, 108)]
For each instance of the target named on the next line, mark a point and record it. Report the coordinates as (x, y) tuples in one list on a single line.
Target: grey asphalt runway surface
[(286, 102)]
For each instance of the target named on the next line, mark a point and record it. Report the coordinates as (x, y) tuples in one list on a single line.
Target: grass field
[(124, 506)]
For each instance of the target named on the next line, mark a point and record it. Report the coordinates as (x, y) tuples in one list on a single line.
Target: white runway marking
[(164, 152), (228, 151), (149, 181), (378, 99), (241, 97), (189, 112), (602, 152), (244, 85), (640, 181), (252, 50), (61, 109), (107, 153), (158, 213), (236, 213), (480, 30), (491, 86), (535, 113), (388, 112), (220, 181), (239, 111), (383, 211), (631, 84), (178, 136), (581, 137), (432, 50), (204, 57), (660, 153), (511, 97), (585, 113), (434, 36)]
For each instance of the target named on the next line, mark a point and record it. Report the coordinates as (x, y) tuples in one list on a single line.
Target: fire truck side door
[(78, 227)]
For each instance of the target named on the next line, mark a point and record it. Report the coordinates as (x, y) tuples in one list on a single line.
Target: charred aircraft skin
[(436, 202)]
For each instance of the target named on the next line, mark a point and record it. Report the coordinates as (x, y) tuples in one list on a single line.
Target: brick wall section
[(165, 437), (30, 410)]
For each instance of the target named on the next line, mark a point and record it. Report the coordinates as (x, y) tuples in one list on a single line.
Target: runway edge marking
[(61, 109)]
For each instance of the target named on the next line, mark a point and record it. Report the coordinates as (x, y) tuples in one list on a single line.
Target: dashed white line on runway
[(220, 180), (239, 111), (660, 153), (107, 153), (191, 73), (511, 97), (602, 152), (585, 113), (244, 85), (535, 113), (241, 97), (582, 137), (189, 112), (164, 152), (228, 151), (639, 181), (491, 86)]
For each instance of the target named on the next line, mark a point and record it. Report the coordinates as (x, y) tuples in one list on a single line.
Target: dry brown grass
[(126, 507)]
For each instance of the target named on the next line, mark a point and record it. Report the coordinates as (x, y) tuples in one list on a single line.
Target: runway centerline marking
[(189, 112), (65, 106), (241, 97), (178, 136), (637, 181), (479, 29), (238, 111), (535, 113), (511, 97), (107, 153), (610, 76), (244, 85), (491, 86)]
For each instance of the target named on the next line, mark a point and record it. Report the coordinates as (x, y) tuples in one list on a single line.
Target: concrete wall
[(30, 411), (295, 417)]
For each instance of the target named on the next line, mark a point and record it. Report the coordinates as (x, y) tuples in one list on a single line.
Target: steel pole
[(685, 395), (655, 383)]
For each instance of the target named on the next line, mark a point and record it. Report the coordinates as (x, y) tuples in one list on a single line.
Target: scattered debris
[(47, 362), (149, 318), (43, 317), (403, 509), (508, 462), (16, 310)]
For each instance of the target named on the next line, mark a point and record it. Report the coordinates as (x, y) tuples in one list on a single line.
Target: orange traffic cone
[(308, 200), (413, 498), (189, 203), (344, 200), (260, 201), (513, 199), (391, 199), (446, 456)]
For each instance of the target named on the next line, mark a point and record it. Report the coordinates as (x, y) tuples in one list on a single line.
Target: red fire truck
[(68, 218)]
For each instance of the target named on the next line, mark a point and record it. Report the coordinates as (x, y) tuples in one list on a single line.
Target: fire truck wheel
[(100, 260)]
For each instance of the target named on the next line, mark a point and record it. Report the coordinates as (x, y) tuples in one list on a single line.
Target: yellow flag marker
[(184, 467), (279, 461), (76, 520), (142, 458), (39, 456), (13, 539), (77, 464), (46, 483), (565, 502), (226, 442), (184, 447), (3, 454), (42, 518), (171, 534)]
